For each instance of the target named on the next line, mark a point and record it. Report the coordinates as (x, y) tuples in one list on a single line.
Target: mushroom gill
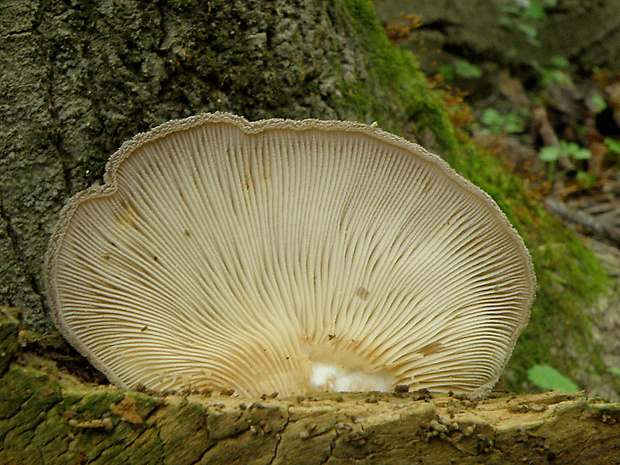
[(287, 256)]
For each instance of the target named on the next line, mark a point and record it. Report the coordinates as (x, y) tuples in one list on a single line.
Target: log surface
[(48, 416)]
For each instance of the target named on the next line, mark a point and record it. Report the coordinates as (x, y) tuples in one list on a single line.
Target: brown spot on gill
[(430, 349), (362, 293)]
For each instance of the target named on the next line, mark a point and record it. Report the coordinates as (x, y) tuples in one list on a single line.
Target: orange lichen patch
[(459, 112), (399, 30), (128, 410)]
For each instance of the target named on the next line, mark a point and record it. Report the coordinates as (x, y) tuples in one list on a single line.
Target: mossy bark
[(48, 417), (81, 77)]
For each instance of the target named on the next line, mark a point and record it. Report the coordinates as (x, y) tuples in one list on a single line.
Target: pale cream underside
[(223, 254)]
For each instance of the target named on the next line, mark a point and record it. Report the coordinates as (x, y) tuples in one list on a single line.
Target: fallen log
[(48, 416)]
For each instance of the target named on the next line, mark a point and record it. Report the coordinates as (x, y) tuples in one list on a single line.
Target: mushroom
[(287, 256)]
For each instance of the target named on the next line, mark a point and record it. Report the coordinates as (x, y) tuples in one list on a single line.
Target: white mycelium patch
[(336, 378)]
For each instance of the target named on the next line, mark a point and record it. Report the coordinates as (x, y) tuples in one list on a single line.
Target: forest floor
[(562, 139)]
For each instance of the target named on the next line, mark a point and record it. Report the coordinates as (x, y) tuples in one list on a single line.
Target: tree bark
[(79, 78), (48, 417)]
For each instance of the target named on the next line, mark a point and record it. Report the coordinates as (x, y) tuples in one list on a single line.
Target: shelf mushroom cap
[(287, 256)]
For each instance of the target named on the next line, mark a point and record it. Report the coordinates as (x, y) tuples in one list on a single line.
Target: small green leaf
[(529, 30), (582, 154), (556, 76), (535, 11), (549, 154), (579, 153), (613, 145), (598, 101), (547, 377), (498, 123), (587, 179), (446, 71), (467, 70), (571, 149), (559, 62), (614, 370), (490, 116)]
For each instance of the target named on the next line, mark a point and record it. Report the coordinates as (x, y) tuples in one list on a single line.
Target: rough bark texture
[(47, 417), (79, 78), (586, 32)]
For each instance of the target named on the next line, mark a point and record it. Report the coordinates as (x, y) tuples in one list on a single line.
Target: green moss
[(569, 276), (394, 79), (38, 418), (225, 424), (147, 450), (184, 433), (97, 403), (52, 439), (114, 454), (24, 394)]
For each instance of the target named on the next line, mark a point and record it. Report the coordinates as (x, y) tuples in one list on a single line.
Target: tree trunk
[(79, 78)]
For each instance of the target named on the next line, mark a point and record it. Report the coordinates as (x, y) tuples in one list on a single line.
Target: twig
[(600, 228)]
